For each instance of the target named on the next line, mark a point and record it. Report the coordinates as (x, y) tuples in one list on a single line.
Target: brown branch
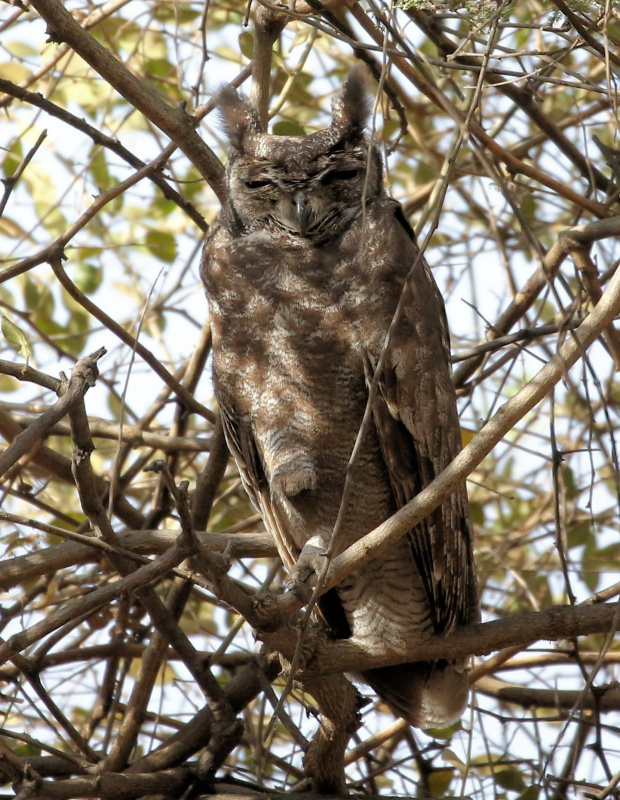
[(155, 571), (174, 122), (131, 650), (58, 466), (210, 478), (183, 395), (83, 376), (11, 182), (22, 569), (340, 24), (150, 663), (576, 22), (193, 373), (109, 142), (24, 372), (522, 98), (585, 265), (111, 786), (558, 622), (267, 27), (96, 16), (227, 729), (569, 239), (241, 690), (505, 156), (133, 435), (524, 335), (55, 249), (603, 698)]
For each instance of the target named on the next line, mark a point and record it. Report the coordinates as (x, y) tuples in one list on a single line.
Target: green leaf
[(444, 733), (510, 779), (439, 781), (8, 384), (246, 44), (579, 534), (531, 793), (99, 169), (12, 159), (477, 513), (162, 245), (87, 277), (158, 67), (450, 757), (14, 71), (287, 128), (569, 483), (21, 49), (16, 338)]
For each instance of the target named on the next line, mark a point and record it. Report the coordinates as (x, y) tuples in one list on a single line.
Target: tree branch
[(83, 376), (174, 122), (559, 622)]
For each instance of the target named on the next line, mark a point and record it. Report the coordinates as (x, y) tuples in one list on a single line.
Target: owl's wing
[(242, 445), (417, 424)]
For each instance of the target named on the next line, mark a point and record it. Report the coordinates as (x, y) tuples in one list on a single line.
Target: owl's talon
[(300, 590), (303, 576)]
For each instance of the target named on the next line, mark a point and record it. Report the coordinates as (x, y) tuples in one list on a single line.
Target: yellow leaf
[(16, 338), (467, 435), (14, 71), (439, 780)]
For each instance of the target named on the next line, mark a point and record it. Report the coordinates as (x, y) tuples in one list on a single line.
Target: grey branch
[(83, 376), (559, 622)]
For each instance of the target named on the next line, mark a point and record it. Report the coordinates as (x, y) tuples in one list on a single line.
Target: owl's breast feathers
[(297, 335)]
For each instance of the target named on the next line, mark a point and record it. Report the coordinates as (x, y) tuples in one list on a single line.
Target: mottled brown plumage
[(304, 269)]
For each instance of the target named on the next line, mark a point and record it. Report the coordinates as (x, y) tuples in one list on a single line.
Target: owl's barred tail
[(427, 695)]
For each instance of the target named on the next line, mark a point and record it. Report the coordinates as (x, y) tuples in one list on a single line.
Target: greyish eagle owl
[(304, 268)]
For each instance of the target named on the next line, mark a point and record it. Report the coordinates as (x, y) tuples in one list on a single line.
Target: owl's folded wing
[(417, 423), (242, 445)]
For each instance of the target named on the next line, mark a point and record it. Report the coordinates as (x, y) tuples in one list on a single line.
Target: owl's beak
[(302, 212)]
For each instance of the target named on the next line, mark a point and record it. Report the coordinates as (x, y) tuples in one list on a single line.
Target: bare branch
[(558, 622), (174, 122)]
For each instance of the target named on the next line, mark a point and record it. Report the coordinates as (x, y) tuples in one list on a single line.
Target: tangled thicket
[(135, 573)]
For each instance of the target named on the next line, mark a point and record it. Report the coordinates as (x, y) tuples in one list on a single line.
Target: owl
[(303, 269)]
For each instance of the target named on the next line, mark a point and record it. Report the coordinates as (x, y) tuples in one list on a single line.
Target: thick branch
[(559, 622), (601, 699), (21, 569), (267, 27), (83, 376), (174, 122)]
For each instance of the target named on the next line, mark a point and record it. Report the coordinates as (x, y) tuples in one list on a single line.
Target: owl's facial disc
[(314, 201)]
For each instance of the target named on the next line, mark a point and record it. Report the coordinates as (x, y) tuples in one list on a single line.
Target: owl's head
[(306, 187)]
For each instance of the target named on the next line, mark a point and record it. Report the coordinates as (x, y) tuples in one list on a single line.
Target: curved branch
[(14, 571), (174, 122), (111, 143), (600, 699), (559, 622)]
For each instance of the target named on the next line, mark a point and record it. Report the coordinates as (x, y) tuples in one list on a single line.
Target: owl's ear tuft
[(351, 106), (237, 116)]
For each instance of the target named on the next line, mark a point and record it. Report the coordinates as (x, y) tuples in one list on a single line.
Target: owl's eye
[(257, 184), (340, 175)]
